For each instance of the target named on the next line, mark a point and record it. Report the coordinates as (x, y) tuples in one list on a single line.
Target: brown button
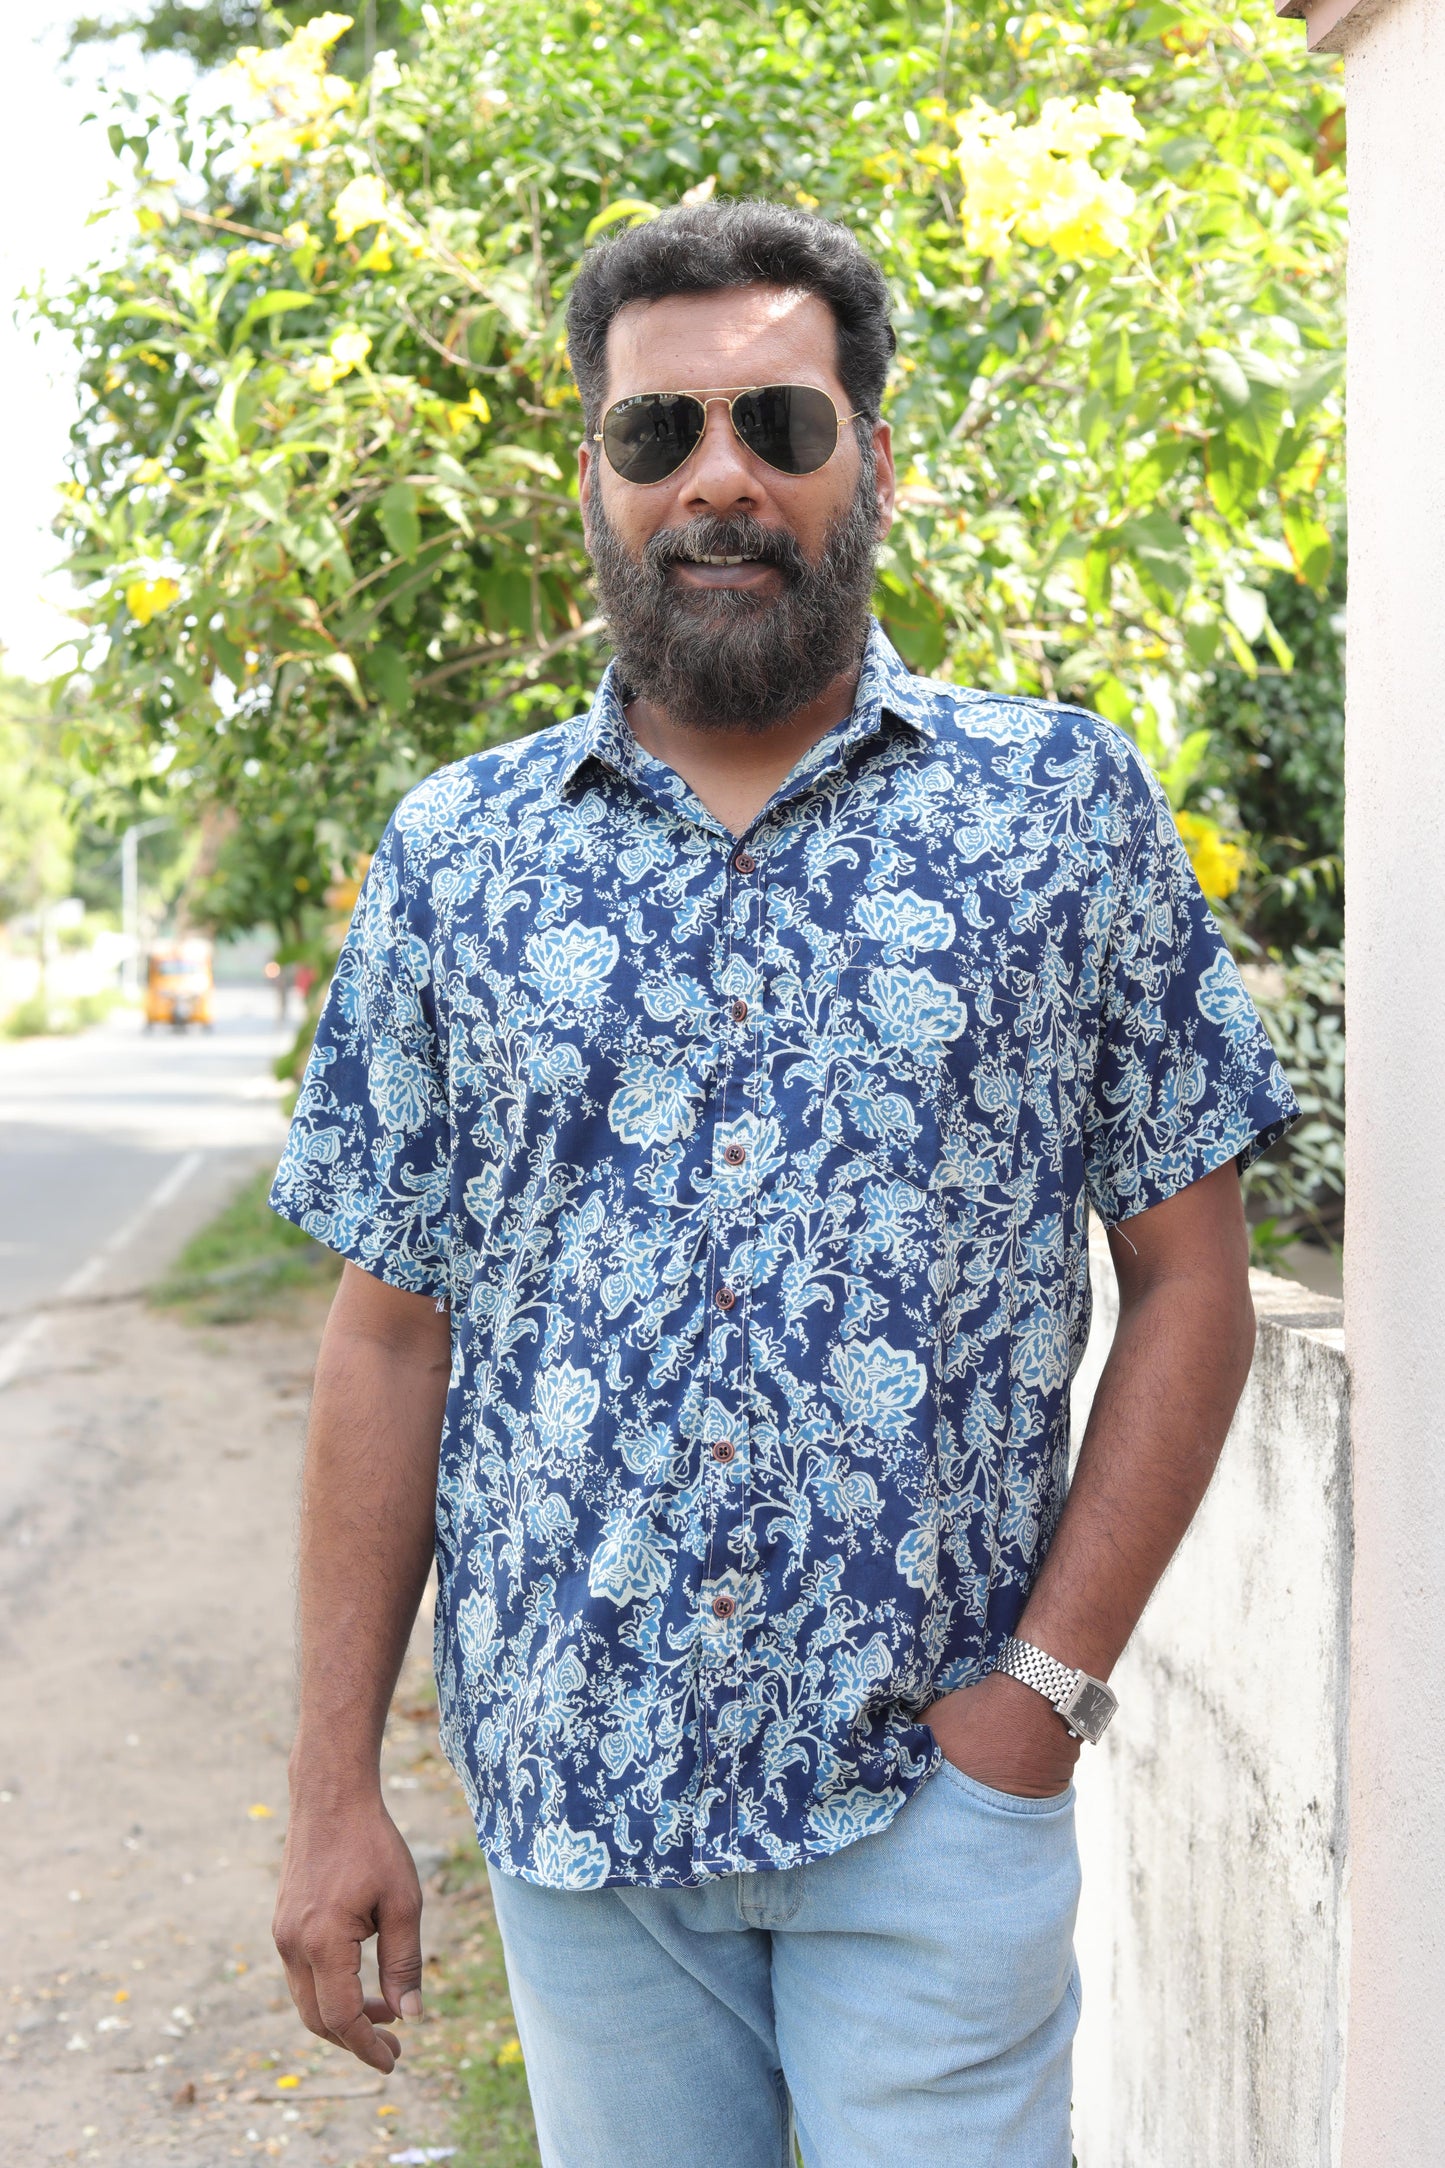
[(745, 861), (734, 1154), (725, 1298), (738, 1011), (723, 1607), (723, 1449)]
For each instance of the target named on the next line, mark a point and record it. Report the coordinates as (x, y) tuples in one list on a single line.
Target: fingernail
[(411, 2003)]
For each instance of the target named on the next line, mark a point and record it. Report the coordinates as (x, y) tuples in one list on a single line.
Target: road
[(114, 1146)]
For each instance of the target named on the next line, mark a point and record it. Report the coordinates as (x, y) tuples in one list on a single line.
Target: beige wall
[(1212, 1816), (1395, 939)]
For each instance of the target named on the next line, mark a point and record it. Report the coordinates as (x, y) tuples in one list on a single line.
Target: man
[(708, 1104)]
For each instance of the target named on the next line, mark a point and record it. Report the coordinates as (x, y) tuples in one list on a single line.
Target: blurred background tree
[(323, 505), (211, 31)]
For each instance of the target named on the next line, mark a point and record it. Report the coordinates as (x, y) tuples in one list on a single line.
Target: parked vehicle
[(179, 984)]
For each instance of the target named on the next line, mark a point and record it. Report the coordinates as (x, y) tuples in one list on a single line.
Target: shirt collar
[(885, 688)]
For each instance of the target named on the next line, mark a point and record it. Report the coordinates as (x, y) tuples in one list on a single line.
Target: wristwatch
[(1084, 1703)]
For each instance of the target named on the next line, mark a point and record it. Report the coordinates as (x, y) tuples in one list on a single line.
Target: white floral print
[(755, 1173)]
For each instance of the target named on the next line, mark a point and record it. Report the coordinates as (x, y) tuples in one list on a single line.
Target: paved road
[(115, 1145)]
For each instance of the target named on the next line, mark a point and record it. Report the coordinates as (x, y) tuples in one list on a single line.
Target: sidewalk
[(145, 1649)]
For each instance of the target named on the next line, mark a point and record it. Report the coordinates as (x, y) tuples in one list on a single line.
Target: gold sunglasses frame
[(725, 395)]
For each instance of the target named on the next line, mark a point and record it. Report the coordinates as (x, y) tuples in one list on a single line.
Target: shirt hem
[(906, 1789)]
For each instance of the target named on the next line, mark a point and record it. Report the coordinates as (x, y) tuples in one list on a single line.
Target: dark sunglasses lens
[(792, 426), (648, 438)]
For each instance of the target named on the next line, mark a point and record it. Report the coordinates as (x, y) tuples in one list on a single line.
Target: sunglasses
[(793, 428)]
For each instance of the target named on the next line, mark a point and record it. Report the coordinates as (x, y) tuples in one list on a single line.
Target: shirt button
[(723, 1607), (745, 861), (734, 1154), (725, 1298), (738, 1011), (723, 1449)]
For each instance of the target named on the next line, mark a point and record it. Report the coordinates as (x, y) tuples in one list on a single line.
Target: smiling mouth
[(722, 560)]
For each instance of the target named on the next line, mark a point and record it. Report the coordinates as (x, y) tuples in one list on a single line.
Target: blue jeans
[(909, 2002)]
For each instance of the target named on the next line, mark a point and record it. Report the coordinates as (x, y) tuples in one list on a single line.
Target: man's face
[(750, 643)]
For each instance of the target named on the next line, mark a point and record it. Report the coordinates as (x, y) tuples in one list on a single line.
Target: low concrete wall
[(1213, 1931)]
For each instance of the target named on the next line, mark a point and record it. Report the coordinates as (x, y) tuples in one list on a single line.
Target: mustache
[(711, 536)]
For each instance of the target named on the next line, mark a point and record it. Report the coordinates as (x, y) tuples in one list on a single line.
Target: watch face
[(1090, 1708)]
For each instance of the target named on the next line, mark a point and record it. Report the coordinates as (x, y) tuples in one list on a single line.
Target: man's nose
[(720, 476)]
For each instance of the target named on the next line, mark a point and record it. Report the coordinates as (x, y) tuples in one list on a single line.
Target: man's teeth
[(723, 560)]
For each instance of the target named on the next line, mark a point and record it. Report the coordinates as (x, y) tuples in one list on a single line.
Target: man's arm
[(368, 1510), (1180, 1357)]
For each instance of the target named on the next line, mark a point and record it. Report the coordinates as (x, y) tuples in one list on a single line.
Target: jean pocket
[(988, 1795)]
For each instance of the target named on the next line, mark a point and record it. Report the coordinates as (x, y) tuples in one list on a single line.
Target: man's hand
[(368, 1509), (344, 1879), (1002, 1733)]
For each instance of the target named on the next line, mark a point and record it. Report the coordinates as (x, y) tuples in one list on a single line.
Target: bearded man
[(708, 1105)]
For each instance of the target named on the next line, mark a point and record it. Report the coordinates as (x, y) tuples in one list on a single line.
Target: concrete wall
[(1395, 936), (1212, 1935)]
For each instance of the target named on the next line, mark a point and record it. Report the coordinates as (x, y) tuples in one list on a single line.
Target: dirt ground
[(145, 1711)]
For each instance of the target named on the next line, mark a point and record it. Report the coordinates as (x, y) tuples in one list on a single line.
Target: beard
[(716, 658)]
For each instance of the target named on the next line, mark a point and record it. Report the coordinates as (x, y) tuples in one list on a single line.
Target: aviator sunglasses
[(791, 427)]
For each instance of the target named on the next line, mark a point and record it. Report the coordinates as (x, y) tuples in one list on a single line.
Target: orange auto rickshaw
[(179, 984)]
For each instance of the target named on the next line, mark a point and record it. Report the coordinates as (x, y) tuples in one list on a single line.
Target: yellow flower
[(260, 1813), (146, 599), (348, 349), (286, 2085), (1219, 863), (294, 80), (362, 202), (150, 470), (378, 256), (297, 235), (1036, 184), (509, 2053)]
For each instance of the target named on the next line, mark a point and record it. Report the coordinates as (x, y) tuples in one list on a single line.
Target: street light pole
[(130, 900)]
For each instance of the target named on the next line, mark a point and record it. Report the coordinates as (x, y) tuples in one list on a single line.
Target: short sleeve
[(367, 1164), (1184, 1078)]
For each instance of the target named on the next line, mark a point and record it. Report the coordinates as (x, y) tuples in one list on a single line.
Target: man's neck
[(734, 770)]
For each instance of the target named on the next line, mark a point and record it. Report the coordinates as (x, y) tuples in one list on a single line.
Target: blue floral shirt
[(755, 1171)]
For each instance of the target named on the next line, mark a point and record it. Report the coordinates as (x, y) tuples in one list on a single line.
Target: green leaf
[(1246, 609), (339, 665), (400, 520), (634, 209), (1114, 702), (1202, 643), (1231, 385), (264, 306), (1159, 550), (1096, 581), (1310, 547), (388, 676)]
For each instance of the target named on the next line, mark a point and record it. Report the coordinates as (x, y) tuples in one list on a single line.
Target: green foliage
[(209, 31), (37, 844), (324, 502), (1278, 749), (1299, 1190), (243, 1261)]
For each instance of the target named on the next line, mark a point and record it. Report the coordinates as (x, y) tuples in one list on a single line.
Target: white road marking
[(16, 1352)]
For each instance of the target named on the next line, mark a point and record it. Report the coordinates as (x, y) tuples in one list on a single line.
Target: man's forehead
[(741, 335)]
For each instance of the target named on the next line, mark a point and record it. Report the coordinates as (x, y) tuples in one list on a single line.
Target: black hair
[(704, 248)]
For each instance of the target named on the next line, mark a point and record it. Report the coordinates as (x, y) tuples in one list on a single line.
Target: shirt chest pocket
[(926, 1078)]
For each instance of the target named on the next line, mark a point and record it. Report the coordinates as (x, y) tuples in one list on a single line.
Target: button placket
[(732, 1210)]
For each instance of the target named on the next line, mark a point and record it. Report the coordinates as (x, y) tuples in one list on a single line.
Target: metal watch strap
[(1084, 1703)]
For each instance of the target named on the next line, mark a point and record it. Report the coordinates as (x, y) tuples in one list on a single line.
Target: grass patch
[(471, 2036), (41, 1018), (243, 1262)]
